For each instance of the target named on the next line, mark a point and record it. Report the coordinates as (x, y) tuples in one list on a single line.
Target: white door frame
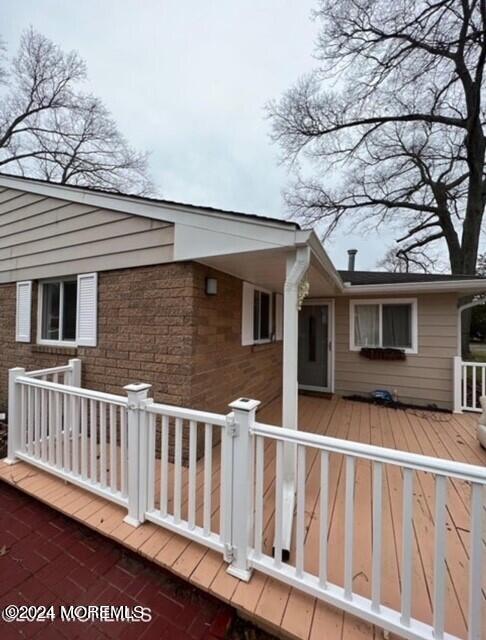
[(330, 303)]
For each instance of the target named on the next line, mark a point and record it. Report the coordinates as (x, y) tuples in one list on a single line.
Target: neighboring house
[(203, 304)]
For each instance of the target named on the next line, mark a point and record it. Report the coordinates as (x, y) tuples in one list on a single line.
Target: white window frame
[(54, 343), (380, 302), (270, 316)]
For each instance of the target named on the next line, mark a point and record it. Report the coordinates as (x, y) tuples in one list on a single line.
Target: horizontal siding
[(46, 237), (423, 378)]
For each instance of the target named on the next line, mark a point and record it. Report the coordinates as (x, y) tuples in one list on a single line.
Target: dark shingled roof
[(383, 277)]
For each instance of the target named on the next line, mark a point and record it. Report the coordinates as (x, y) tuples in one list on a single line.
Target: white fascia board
[(310, 238), (447, 286), (166, 212)]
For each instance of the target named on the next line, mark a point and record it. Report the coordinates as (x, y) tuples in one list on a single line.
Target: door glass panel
[(313, 346)]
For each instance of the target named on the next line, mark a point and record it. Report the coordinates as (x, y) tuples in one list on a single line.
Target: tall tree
[(391, 123), (50, 128)]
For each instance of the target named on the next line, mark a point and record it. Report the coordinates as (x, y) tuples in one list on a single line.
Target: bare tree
[(49, 128), (391, 124), (418, 261)]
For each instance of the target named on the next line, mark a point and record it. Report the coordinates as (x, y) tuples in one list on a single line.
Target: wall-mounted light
[(211, 286)]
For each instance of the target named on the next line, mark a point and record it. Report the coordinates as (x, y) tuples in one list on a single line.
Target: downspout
[(297, 265)]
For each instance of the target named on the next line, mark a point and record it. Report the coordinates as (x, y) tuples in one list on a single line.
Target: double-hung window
[(387, 323), (58, 309), (262, 315)]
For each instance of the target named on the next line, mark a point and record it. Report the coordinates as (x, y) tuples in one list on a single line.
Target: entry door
[(314, 335)]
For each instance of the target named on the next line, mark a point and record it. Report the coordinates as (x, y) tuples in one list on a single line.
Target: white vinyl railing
[(219, 480), (469, 385)]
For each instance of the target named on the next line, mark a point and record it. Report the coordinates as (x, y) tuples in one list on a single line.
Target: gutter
[(451, 286)]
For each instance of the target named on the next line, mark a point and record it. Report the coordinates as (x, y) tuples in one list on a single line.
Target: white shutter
[(278, 316), (23, 312), (87, 315), (247, 314)]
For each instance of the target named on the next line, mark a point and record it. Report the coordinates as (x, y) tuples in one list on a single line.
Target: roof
[(255, 216), (384, 277)]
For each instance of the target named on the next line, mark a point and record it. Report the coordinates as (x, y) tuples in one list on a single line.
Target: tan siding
[(45, 237), (424, 378)]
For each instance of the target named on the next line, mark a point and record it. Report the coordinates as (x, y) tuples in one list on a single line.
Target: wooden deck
[(274, 605)]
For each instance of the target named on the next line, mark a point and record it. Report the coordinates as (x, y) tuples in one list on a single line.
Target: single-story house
[(209, 305)]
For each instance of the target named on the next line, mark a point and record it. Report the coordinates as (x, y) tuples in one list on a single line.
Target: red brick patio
[(48, 559)]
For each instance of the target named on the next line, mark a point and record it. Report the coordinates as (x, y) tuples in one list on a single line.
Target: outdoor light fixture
[(211, 286)]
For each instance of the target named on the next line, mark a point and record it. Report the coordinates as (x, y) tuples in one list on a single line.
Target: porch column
[(297, 265)]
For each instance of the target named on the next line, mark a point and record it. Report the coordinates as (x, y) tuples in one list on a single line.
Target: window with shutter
[(256, 315), (23, 311)]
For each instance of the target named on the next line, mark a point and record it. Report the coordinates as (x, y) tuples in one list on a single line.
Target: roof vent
[(351, 258)]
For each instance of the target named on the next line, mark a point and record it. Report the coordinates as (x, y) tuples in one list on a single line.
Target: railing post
[(14, 414), (241, 482), (457, 384), (75, 374), (137, 396)]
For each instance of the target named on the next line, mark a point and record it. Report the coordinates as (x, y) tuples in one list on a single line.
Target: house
[(206, 306), (203, 304)]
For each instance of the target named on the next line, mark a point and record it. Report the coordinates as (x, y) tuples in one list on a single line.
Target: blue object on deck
[(382, 395)]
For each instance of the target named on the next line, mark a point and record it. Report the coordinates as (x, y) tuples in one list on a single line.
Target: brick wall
[(157, 325), (145, 327), (223, 369)]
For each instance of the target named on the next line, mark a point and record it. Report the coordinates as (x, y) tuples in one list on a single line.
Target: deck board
[(272, 604)]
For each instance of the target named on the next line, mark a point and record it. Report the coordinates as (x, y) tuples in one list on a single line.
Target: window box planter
[(378, 353)]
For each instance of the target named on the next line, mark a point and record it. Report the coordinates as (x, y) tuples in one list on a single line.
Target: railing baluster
[(323, 518), (208, 471), (407, 542), (278, 504), (377, 536), (152, 424), (474, 387), (113, 449), (349, 528), (300, 524), (123, 451), (476, 562), (43, 418), (440, 555), (259, 472), (483, 380), (177, 470), (74, 401), (192, 475), (30, 426), (51, 427), (23, 418), (37, 427), (93, 441), (464, 386), (65, 432), (164, 466), (102, 410), (84, 438), (58, 414)]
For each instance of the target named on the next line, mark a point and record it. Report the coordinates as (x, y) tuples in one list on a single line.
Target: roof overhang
[(444, 286)]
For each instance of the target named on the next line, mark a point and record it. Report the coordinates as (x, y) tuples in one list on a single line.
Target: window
[(261, 315), (384, 323), (58, 303)]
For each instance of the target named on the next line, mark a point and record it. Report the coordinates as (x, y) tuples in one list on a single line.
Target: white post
[(297, 265), (75, 377), (137, 396), (244, 411), (457, 384), (14, 414)]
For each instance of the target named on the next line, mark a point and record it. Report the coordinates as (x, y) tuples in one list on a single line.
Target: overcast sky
[(188, 81)]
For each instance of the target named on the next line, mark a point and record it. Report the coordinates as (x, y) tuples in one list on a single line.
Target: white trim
[(40, 297), (331, 360), (380, 302), (454, 286)]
